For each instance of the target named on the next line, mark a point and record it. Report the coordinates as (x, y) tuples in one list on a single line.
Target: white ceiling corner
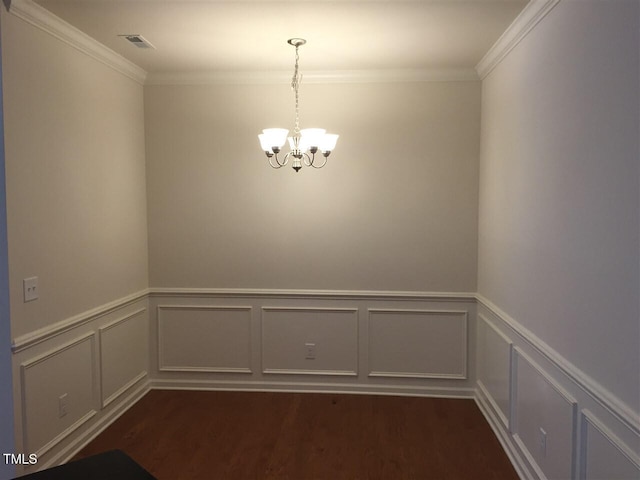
[(55, 26)]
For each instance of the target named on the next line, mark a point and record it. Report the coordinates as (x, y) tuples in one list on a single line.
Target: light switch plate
[(30, 287)]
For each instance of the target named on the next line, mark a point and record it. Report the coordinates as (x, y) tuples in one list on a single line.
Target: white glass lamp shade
[(303, 144), (275, 137), (264, 142), (328, 142), (311, 137)]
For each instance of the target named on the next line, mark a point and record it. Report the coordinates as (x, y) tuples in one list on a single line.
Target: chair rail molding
[(312, 294), (43, 334)]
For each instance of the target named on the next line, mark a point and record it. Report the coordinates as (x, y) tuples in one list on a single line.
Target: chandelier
[(304, 144)]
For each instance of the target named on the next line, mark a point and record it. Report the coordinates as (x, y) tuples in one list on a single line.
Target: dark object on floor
[(112, 465)]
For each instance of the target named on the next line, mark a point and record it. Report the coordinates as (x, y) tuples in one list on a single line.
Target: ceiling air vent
[(137, 40)]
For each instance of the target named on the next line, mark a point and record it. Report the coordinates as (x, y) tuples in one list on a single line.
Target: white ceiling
[(249, 36)]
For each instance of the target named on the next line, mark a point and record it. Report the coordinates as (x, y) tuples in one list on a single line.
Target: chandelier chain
[(295, 85)]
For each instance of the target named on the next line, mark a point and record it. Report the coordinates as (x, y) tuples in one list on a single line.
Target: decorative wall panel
[(58, 393), (204, 338), (545, 418), (494, 368), (417, 343), (288, 334), (604, 456), (123, 354)]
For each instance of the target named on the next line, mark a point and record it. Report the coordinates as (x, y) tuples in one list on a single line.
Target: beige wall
[(394, 209), (558, 235), (75, 171)]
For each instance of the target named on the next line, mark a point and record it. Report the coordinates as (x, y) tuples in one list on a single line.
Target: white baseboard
[(304, 387)]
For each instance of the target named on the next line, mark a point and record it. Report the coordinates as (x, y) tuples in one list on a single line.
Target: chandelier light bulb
[(304, 144)]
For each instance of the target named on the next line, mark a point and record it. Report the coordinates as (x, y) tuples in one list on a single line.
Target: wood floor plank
[(194, 435)]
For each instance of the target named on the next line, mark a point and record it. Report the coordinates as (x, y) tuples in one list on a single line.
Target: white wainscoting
[(204, 338), (96, 361), (524, 386), (418, 343), (366, 342)]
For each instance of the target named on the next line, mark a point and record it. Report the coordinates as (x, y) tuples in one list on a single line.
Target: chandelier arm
[(278, 164), (312, 162)]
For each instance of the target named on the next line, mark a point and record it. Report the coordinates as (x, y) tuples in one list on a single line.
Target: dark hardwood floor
[(251, 435)]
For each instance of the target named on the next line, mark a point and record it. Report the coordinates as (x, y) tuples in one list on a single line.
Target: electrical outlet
[(30, 289), (310, 349), (542, 442), (62, 405)]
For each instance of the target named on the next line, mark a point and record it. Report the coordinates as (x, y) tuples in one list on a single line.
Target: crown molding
[(530, 16), (43, 19), (313, 77)]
